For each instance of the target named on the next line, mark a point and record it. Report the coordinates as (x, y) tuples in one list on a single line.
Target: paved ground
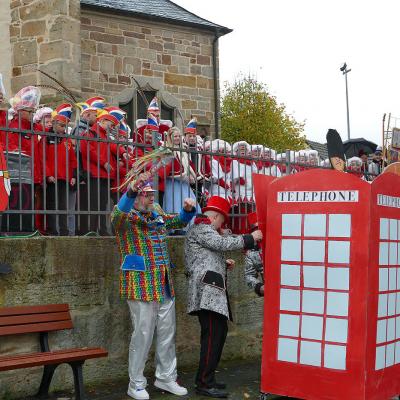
[(242, 379)]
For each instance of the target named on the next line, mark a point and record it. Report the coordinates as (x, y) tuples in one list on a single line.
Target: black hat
[(334, 144)]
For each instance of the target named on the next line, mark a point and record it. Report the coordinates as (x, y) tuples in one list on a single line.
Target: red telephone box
[(331, 317)]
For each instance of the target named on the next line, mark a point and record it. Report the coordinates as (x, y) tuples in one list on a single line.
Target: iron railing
[(62, 206)]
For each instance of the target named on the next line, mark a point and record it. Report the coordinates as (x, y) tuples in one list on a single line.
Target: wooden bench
[(44, 319)]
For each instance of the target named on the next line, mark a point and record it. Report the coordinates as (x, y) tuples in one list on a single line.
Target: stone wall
[(5, 47), (171, 59), (45, 34), (84, 273)]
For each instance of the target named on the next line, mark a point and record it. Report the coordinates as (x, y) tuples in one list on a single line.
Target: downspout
[(216, 83)]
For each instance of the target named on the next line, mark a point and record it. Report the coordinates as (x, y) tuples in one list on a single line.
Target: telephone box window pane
[(384, 228), (398, 303), (290, 300), (383, 253), (392, 253), (390, 354), (391, 327), (339, 225), (398, 252), (336, 330), (382, 305), (338, 278), (337, 303), (397, 353), (397, 327), (381, 331), (313, 250), (313, 302), (398, 278), (290, 275), (392, 279), (339, 252), (315, 225), (311, 327), (287, 349), (380, 358), (291, 250), (310, 353), (314, 277), (335, 356), (392, 304), (393, 229), (291, 224), (289, 325), (383, 279)]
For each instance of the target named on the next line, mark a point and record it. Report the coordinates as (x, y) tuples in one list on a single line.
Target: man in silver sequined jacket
[(206, 268)]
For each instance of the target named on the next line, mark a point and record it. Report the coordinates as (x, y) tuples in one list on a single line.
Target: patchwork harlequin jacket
[(142, 242)]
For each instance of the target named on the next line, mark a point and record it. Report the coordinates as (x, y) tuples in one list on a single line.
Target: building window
[(136, 108)]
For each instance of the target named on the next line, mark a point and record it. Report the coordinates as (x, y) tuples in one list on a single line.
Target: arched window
[(136, 108)]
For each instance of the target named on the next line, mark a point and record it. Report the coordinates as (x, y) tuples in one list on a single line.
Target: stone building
[(99, 46)]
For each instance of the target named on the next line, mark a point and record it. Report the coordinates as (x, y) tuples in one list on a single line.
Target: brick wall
[(172, 59)]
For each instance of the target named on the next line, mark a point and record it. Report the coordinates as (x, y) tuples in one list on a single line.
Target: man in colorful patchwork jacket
[(206, 267), (146, 283)]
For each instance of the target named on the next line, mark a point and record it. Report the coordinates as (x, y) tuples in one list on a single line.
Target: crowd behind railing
[(64, 178)]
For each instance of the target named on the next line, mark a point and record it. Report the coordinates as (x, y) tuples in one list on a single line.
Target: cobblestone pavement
[(242, 379)]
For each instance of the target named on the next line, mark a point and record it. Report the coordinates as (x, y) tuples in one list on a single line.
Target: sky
[(296, 47)]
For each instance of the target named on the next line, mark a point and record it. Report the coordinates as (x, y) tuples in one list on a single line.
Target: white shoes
[(138, 394), (171, 387)]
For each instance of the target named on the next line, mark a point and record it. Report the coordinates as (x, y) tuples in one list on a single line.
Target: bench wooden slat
[(55, 357), (21, 356), (34, 318), (40, 309), (32, 328)]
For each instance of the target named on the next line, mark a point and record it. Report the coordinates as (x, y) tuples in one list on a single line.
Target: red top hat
[(252, 221), (218, 204)]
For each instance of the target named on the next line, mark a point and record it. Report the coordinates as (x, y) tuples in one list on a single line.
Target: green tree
[(249, 112)]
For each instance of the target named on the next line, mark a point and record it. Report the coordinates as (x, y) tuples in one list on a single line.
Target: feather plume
[(65, 95), (140, 90), (65, 89), (157, 159)]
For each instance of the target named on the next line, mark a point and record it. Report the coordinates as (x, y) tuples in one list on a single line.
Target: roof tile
[(158, 9)]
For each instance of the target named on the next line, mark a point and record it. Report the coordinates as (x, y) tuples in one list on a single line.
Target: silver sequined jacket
[(204, 251), (253, 269)]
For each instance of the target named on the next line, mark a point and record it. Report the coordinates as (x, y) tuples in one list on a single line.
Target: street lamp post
[(345, 71)]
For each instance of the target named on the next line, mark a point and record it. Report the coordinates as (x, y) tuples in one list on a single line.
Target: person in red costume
[(149, 135), (268, 165), (5, 184), (219, 167), (42, 122), (242, 185), (100, 166), (59, 160), (21, 153)]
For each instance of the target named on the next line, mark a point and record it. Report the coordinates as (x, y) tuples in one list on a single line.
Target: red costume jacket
[(96, 154), (29, 142), (59, 158)]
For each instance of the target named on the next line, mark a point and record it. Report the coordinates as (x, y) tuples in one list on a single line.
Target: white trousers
[(149, 317)]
